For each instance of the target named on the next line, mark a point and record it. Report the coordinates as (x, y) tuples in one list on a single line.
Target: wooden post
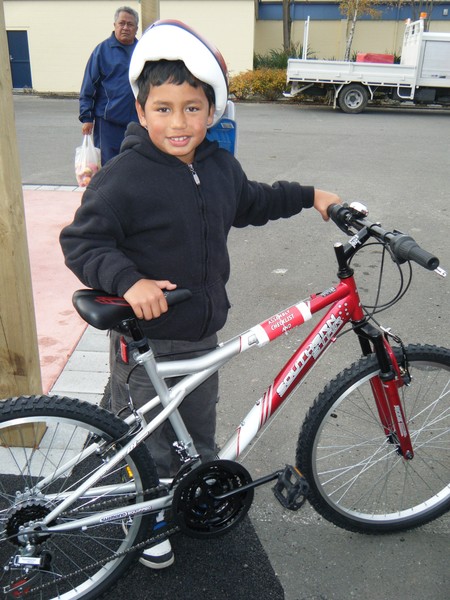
[(149, 13), (19, 355)]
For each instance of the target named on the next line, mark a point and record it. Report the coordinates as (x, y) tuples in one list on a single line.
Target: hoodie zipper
[(194, 174), (196, 179)]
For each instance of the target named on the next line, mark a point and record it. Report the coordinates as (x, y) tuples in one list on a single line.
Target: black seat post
[(140, 341)]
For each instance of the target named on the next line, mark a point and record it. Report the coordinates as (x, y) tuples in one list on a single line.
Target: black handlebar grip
[(333, 211), (340, 215), (176, 296), (406, 248)]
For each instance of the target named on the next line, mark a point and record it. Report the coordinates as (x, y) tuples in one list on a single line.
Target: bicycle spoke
[(41, 475), (359, 478)]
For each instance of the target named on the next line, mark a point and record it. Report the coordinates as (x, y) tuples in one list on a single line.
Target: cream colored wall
[(62, 34), (326, 41), (228, 24), (327, 38), (61, 37), (383, 37)]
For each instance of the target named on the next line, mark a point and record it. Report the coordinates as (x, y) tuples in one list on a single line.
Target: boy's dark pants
[(198, 409)]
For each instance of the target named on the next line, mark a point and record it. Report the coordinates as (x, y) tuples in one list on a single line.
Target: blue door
[(19, 59)]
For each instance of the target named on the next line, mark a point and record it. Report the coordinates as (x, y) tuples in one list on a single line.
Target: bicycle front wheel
[(49, 446), (357, 478)]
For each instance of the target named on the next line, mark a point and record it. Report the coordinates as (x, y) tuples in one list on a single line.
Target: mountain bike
[(80, 494)]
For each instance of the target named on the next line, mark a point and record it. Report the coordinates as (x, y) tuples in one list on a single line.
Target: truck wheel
[(353, 98)]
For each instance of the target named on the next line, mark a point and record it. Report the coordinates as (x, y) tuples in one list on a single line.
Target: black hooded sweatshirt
[(147, 214)]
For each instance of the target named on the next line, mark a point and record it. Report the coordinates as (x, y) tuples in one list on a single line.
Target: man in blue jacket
[(107, 103)]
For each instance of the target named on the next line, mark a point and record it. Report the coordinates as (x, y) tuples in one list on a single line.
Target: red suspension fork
[(385, 387)]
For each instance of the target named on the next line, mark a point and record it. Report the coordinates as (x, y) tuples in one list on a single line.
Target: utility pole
[(19, 354)]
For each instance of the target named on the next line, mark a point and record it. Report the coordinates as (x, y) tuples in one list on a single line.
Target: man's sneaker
[(159, 556)]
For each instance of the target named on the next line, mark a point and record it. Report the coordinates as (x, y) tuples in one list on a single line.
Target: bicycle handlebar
[(176, 296), (403, 246)]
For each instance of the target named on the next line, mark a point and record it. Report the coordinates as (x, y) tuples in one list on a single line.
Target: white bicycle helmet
[(173, 40)]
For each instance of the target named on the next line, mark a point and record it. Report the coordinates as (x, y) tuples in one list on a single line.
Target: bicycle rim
[(39, 436), (359, 480)]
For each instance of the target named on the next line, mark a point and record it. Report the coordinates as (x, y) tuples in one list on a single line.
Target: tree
[(418, 7), (352, 10), (287, 25)]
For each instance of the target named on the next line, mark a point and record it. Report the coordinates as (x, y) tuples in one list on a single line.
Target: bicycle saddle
[(106, 311)]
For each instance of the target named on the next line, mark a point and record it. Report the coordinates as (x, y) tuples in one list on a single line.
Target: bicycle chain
[(104, 503), (163, 535), (150, 540)]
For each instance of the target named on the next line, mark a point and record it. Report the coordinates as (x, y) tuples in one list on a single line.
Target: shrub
[(268, 84), (277, 59), (241, 85)]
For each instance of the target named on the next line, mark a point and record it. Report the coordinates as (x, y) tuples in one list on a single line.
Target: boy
[(157, 217)]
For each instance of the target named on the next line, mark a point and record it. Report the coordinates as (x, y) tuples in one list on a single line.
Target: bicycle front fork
[(385, 387)]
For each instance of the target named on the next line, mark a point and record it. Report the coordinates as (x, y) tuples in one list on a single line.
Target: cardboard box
[(23, 436)]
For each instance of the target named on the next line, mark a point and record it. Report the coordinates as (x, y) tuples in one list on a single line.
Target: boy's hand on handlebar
[(147, 299), (322, 201)]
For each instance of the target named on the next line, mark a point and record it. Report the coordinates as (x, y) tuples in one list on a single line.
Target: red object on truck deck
[(374, 58)]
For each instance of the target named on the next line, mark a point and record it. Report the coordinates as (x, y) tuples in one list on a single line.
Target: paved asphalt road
[(397, 161)]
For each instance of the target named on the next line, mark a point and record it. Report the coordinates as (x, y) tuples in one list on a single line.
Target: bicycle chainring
[(199, 508)]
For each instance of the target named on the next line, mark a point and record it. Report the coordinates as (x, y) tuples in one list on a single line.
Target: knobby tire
[(358, 479), (38, 434)]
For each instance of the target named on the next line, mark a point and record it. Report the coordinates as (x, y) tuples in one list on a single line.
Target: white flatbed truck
[(422, 77)]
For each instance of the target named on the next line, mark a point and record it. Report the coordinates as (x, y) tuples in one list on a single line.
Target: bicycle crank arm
[(290, 490), (248, 486)]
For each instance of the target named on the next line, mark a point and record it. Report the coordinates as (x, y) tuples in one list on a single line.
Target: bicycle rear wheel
[(38, 436), (357, 478)]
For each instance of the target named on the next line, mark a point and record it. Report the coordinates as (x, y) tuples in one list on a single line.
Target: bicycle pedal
[(291, 489)]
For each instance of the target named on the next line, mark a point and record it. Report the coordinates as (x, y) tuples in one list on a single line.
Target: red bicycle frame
[(345, 307)]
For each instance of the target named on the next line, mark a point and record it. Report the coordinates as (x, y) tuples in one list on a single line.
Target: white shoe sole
[(151, 564), (158, 556)]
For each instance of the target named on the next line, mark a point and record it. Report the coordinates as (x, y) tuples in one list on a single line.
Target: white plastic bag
[(87, 161)]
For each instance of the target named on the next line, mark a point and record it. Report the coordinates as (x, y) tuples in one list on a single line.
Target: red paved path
[(59, 327)]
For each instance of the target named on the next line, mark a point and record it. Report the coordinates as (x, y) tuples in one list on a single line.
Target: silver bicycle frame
[(194, 371)]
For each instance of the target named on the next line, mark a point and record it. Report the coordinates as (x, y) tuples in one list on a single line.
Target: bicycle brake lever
[(343, 214)]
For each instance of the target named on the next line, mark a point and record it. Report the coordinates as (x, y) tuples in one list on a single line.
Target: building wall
[(327, 30), (228, 24), (327, 38), (61, 37), (63, 33)]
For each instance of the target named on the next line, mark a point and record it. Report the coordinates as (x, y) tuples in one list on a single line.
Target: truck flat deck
[(328, 71)]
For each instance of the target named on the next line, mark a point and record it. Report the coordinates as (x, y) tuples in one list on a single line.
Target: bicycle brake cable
[(403, 287), (376, 307)]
